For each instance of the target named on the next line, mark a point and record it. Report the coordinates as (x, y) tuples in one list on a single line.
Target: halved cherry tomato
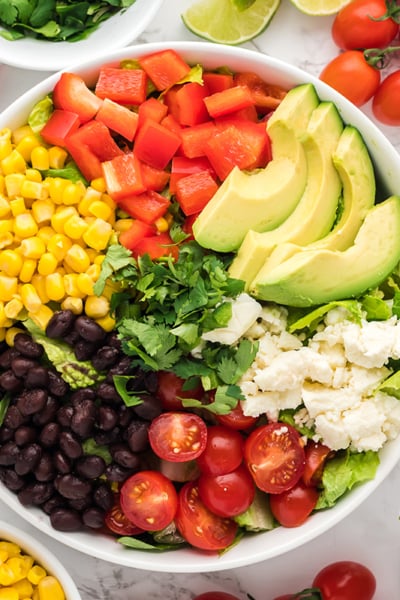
[(345, 580), (117, 522), (149, 500), (223, 452), (316, 455), (215, 596), (178, 436), (228, 494), (275, 457), (292, 507), (198, 525), (170, 390), (236, 419)]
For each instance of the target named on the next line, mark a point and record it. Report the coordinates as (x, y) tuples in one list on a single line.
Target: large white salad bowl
[(261, 546)]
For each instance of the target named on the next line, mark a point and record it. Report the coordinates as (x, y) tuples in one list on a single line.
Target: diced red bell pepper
[(156, 246), (155, 144), (138, 230), (217, 82), (119, 118), (126, 86), (266, 96), (194, 139), (243, 145), (164, 68), (182, 166), (172, 124), (187, 225), (60, 124), (152, 109), (147, 207), (154, 179), (186, 103), (89, 146), (195, 191), (123, 176), (71, 93), (245, 114), (228, 101)]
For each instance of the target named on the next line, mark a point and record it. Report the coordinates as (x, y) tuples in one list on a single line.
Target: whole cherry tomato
[(229, 494), (355, 26), (291, 508), (170, 390), (345, 580), (386, 102), (223, 452), (350, 74)]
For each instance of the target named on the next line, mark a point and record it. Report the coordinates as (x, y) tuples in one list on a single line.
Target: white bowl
[(42, 555), (262, 546), (117, 31)]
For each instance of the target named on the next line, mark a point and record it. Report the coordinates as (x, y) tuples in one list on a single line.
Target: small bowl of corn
[(29, 570)]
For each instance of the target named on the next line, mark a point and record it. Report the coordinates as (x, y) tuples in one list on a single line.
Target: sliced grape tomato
[(178, 436)]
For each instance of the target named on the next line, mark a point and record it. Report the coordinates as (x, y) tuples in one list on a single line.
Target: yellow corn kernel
[(26, 145), (6, 239), (8, 287), (39, 283), (30, 298), (42, 316), (36, 573), (6, 225), (13, 308), (32, 247), (92, 254), (13, 163), (50, 589), (89, 196), (98, 234), (25, 225), (71, 285), (3, 556), (27, 270), (34, 189), (6, 575), (19, 133), (57, 157), (33, 175), (107, 323), (5, 143), (100, 209), (73, 193), (109, 201), (17, 206), (77, 259), (3, 331), (85, 283), (94, 271), (47, 264), (45, 233), (56, 186), (2, 184), (99, 259), (98, 184), (59, 244), (5, 210), (24, 588), (8, 593), (61, 215), (55, 288), (75, 227), (122, 225), (10, 262), (13, 183), (43, 210), (28, 561), (11, 333), (17, 565), (11, 548), (162, 225), (97, 307), (75, 305), (40, 158)]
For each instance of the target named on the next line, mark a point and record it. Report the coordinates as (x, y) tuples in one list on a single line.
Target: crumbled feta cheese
[(245, 312)]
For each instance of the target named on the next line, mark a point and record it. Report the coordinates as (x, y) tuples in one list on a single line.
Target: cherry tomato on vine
[(293, 507), (355, 27), (316, 455), (229, 494), (386, 102), (215, 596), (198, 525), (149, 500), (178, 436), (350, 74), (170, 390), (223, 452), (345, 580), (274, 455)]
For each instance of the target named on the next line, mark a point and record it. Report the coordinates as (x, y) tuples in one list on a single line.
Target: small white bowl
[(42, 555), (117, 31), (259, 547)]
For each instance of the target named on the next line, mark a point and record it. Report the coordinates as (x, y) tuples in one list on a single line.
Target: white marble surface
[(371, 534)]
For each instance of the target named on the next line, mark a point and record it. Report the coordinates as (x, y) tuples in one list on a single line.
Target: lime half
[(319, 7), (226, 22)]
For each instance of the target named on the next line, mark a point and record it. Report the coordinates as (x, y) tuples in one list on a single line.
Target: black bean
[(123, 455), (70, 445), (25, 434), (106, 391), (37, 376), (28, 459), (104, 438), (32, 401), (113, 340), (105, 358), (125, 416), (72, 338), (93, 517), (83, 418), (35, 493), (20, 365), (56, 501), (7, 357), (62, 463), (103, 496), (82, 394), (11, 480), (72, 487), (81, 504), (115, 472), (65, 519), (10, 382), (13, 417), (137, 436), (107, 418), (45, 470), (149, 408), (60, 324), (6, 434), (88, 329), (9, 454), (50, 434), (84, 350), (48, 412), (57, 386), (122, 367), (64, 415), (90, 466), (24, 344)]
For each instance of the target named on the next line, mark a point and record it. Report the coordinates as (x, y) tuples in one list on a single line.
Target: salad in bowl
[(199, 320)]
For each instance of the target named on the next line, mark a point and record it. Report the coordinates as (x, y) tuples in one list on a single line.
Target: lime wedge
[(226, 21), (319, 7)]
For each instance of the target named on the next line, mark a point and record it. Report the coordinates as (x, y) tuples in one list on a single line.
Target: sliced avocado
[(315, 213), (263, 199), (319, 276)]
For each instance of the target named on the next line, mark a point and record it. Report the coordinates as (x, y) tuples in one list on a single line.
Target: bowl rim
[(251, 549)]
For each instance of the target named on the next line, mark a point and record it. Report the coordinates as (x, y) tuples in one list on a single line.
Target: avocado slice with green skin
[(318, 276), (262, 199), (315, 213)]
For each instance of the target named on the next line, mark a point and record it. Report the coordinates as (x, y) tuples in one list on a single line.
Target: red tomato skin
[(345, 580), (178, 436), (316, 455), (351, 75), (293, 507), (274, 455), (229, 494), (170, 393), (118, 523), (215, 596), (354, 29), (386, 102), (237, 420), (223, 452)]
